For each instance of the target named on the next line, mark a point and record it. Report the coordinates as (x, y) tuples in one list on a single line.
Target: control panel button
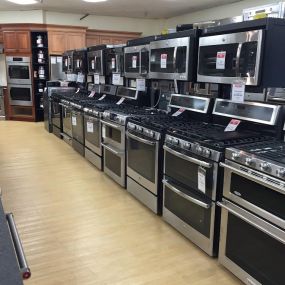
[(265, 166), (235, 155)]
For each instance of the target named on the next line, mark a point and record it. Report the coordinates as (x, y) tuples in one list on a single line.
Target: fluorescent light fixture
[(95, 1), (24, 2)]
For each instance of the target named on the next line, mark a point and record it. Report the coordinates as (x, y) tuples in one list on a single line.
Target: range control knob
[(151, 134), (199, 149), (187, 145), (281, 172), (207, 152), (265, 166), (139, 129), (236, 155), (175, 141), (249, 161)]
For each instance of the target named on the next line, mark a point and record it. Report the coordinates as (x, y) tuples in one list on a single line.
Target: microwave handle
[(117, 63), (238, 59), (140, 67), (175, 58), (227, 207)]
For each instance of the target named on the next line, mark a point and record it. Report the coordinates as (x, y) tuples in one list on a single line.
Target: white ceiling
[(125, 8)]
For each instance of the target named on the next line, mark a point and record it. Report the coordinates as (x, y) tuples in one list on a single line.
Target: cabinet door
[(10, 41), (92, 41), (57, 42), (75, 41), (24, 42), (106, 40)]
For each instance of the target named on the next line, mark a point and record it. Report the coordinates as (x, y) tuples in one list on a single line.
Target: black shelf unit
[(39, 83)]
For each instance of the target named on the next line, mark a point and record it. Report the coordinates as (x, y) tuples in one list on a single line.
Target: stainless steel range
[(252, 243)]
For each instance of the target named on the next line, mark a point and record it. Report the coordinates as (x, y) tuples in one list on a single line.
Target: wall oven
[(21, 95), (225, 58), (18, 70), (174, 58)]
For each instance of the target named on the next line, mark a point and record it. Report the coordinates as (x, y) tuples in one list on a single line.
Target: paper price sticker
[(80, 78), (93, 64), (116, 80), (92, 94), (113, 63), (238, 91), (102, 97), (178, 113), (134, 61), (163, 60), (120, 101), (141, 84), (96, 79), (90, 127), (74, 121), (232, 126), (221, 60), (202, 179)]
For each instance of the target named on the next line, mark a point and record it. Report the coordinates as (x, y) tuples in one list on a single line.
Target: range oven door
[(195, 173), (142, 161), (169, 59), (77, 121), (259, 193), (226, 58), (250, 247), (115, 164), (191, 214), (56, 114), (114, 135), (92, 128), (20, 95), (66, 119)]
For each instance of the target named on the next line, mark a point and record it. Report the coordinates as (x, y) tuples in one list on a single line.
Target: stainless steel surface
[(187, 197), (144, 196), (2, 105), (141, 139), (170, 43), (20, 102), (194, 99), (271, 122), (188, 158), (144, 131), (66, 138), (3, 71), (56, 68), (93, 158), (23, 264), (113, 150), (265, 180), (238, 38), (205, 243)]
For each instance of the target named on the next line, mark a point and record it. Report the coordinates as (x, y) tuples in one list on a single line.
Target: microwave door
[(132, 63)]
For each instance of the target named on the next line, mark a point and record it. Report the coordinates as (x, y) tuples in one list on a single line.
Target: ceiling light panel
[(24, 2)]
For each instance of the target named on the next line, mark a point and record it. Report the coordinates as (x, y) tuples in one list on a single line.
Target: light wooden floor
[(78, 227)]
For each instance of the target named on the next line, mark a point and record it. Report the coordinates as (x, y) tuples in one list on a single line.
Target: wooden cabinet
[(62, 39), (17, 41), (97, 37), (1, 36)]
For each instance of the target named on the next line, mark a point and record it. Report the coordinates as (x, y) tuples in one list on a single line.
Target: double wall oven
[(246, 50), (174, 56), (19, 81)]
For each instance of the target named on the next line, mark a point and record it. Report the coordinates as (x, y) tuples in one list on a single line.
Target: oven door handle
[(112, 125), (190, 159), (112, 150), (140, 139), (254, 178), (24, 267), (183, 195), (229, 208)]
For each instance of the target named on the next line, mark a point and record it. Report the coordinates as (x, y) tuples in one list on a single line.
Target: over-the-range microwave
[(252, 50)]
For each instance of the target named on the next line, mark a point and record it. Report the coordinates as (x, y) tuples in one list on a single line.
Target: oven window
[(113, 162), (194, 215), (255, 252), (162, 60), (19, 72), (132, 62), (258, 195), (92, 131), (186, 172), (113, 134), (142, 158), (20, 94)]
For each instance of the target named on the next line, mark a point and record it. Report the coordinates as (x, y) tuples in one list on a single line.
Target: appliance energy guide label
[(90, 127), (163, 60), (221, 60), (238, 90), (96, 79), (141, 84), (74, 121)]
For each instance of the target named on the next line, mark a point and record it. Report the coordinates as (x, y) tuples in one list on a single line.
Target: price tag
[(78, 63), (116, 79), (113, 63), (238, 90), (141, 84), (202, 179), (59, 59), (93, 64), (92, 94), (77, 91), (90, 127), (96, 79), (102, 97), (65, 62), (120, 101), (221, 60), (104, 132), (134, 61), (233, 124), (74, 121), (178, 113), (163, 60), (80, 77)]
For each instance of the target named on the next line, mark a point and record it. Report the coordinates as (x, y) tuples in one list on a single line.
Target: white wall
[(11, 17), (146, 26), (219, 12)]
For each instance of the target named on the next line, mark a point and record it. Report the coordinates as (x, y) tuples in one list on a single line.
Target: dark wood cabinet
[(17, 41)]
